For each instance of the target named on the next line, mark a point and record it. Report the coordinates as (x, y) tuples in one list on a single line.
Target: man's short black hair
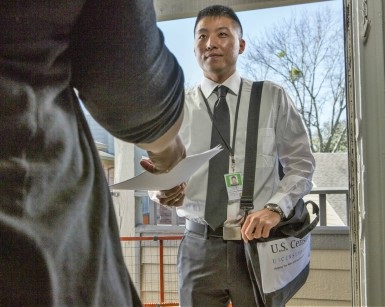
[(218, 11)]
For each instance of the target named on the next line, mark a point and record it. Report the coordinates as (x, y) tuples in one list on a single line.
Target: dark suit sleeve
[(127, 78)]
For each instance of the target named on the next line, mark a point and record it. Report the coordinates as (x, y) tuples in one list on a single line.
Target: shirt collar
[(233, 82)]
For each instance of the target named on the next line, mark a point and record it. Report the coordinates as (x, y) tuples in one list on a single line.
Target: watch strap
[(275, 208)]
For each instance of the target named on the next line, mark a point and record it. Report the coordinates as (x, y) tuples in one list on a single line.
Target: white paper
[(180, 173)]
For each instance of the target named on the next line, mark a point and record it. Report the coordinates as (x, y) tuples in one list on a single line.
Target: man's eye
[(202, 36), (222, 34)]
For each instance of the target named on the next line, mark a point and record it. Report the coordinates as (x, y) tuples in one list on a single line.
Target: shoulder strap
[(251, 146), (304, 224)]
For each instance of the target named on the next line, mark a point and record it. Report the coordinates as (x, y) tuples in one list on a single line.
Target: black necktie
[(216, 199)]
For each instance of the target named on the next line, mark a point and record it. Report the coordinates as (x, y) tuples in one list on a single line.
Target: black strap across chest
[(251, 146)]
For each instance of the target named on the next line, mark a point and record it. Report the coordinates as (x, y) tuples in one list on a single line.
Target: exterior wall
[(125, 203), (109, 170), (328, 283)]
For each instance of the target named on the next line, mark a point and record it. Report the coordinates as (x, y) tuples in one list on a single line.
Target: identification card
[(234, 185)]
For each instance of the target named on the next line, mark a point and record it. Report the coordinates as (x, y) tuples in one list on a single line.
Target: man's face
[(217, 46)]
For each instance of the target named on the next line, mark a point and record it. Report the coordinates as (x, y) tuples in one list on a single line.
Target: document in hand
[(180, 173)]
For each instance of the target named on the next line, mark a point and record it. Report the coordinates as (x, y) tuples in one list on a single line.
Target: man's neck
[(219, 78)]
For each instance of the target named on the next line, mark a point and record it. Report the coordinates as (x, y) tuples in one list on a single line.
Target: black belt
[(203, 230)]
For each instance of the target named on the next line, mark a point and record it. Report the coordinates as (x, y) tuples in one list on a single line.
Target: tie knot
[(222, 91)]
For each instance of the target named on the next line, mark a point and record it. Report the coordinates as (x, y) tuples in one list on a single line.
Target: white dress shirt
[(281, 134)]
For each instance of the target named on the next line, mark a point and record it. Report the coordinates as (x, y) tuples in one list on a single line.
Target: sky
[(179, 33)]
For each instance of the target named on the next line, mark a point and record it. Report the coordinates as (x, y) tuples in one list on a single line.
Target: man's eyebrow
[(223, 28), (200, 30)]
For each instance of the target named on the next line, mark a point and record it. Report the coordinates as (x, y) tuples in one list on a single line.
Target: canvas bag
[(278, 265)]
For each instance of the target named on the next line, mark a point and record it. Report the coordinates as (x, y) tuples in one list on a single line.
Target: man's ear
[(242, 45)]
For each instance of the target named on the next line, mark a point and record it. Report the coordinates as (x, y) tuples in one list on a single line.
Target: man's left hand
[(258, 224)]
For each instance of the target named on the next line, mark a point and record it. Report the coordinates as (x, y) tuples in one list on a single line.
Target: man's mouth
[(212, 55)]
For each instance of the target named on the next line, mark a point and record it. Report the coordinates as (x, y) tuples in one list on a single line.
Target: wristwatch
[(275, 208)]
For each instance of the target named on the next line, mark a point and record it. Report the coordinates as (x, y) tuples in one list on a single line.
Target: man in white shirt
[(212, 268)]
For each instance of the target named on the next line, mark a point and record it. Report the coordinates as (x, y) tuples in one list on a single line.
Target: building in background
[(105, 145)]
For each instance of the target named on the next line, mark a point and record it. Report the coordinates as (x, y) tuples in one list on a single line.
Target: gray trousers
[(213, 272)]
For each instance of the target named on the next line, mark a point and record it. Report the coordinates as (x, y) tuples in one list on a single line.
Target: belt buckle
[(231, 233)]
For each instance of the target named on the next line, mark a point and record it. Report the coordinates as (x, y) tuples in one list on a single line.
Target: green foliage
[(295, 74), (281, 54)]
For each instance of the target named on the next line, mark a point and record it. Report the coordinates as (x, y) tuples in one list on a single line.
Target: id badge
[(234, 186)]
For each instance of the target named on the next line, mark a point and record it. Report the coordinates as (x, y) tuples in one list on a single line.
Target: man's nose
[(210, 44)]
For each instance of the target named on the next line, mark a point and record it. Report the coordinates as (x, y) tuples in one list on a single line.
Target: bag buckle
[(246, 203)]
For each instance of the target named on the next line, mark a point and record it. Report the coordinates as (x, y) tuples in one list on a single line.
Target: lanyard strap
[(231, 149)]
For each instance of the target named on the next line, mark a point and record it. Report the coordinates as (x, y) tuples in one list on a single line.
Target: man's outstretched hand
[(164, 161)]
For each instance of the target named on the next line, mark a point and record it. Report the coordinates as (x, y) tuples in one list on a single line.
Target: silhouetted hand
[(164, 161)]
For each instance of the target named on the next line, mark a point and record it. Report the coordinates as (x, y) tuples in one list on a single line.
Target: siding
[(328, 283)]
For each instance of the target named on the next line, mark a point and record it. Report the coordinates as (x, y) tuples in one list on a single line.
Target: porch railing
[(160, 216)]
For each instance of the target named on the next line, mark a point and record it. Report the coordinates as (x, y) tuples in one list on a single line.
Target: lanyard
[(231, 149)]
